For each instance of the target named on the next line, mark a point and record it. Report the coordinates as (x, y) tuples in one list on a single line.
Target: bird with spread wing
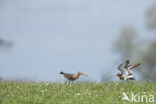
[(125, 69)]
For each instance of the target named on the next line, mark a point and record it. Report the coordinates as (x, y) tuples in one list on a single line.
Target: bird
[(126, 73), (72, 77)]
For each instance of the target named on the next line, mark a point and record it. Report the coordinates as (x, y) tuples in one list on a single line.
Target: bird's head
[(118, 74), (80, 73)]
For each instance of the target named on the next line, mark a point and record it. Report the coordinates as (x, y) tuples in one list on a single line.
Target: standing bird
[(72, 77), (125, 69)]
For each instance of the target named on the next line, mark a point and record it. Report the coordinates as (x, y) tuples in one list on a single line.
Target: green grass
[(79, 93)]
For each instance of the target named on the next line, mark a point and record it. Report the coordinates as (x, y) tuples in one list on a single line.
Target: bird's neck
[(76, 76)]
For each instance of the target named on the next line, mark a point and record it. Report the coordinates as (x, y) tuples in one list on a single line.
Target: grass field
[(78, 93)]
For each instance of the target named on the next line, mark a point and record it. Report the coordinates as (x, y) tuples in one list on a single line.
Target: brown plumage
[(120, 76), (72, 77)]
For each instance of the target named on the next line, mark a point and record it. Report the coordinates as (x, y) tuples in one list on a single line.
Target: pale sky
[(65, 35)]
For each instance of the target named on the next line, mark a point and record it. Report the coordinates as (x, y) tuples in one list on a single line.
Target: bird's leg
[(67, 82), (70, 83), (128, 81)]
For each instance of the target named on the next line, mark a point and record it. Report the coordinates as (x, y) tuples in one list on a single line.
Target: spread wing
[(130, 67), (133, 66), (123, 68)]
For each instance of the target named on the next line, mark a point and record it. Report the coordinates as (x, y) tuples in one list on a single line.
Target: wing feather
[(68, 76), (133, 66), (123, 67)]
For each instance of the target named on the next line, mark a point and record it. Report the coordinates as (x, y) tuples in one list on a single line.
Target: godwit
[(72, 77), (125, 69)]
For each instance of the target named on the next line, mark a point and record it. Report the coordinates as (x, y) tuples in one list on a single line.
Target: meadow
[(12, 92)]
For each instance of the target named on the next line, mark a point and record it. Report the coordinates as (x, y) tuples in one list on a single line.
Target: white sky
[(65, 35)]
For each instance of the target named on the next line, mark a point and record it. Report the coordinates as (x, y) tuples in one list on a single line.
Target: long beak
[(84, 75)]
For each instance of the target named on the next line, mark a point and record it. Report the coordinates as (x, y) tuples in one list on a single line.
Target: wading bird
[(72, 77), (125, 69)]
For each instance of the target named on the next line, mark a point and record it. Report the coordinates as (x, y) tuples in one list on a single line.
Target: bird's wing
[(130, 67), (123, 67), (69, 76), (133, 66)]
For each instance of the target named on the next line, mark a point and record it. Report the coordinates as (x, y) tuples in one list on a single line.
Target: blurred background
[(40, 38)]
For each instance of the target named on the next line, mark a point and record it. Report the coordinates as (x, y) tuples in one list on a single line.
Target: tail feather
[(61, 72)]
